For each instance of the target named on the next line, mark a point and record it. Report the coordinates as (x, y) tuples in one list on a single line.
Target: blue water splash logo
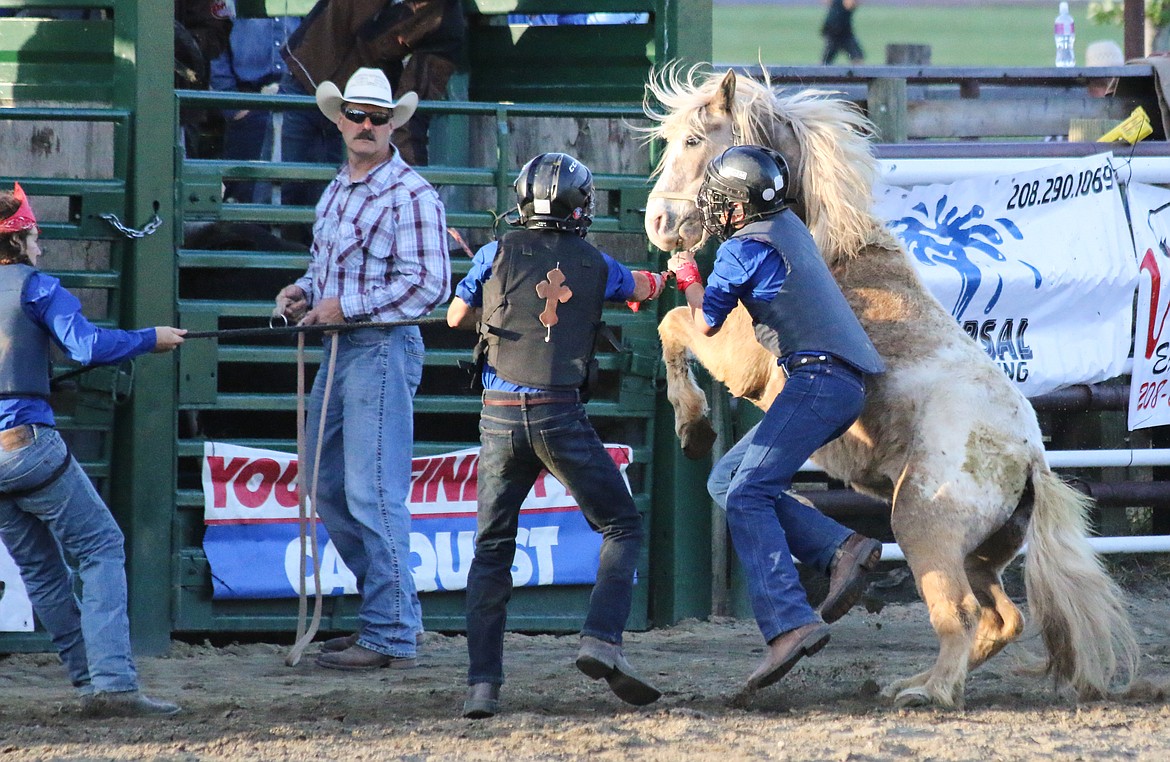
[(955, 240)]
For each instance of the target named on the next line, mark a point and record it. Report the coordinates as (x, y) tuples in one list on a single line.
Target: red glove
[(688, 275)]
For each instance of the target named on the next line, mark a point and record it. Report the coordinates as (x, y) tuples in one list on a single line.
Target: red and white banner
[(252, 538), (1149, 396)]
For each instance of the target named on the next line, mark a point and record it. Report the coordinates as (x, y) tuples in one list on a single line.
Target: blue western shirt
[(743, 267), (50, 305)]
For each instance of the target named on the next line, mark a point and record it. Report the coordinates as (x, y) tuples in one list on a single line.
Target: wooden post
[(887, 109), (1133, 16), (908, 54)]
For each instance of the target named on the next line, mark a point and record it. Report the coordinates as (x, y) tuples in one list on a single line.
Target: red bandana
[(23, 219)]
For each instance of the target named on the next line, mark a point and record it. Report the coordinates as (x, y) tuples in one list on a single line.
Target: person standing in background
[(418, 44), (838, 33), (251, 64)]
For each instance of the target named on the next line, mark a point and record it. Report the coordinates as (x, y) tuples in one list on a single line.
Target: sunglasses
[(377, 118)]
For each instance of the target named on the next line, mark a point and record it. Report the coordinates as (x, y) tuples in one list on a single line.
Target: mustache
[(365, 135)]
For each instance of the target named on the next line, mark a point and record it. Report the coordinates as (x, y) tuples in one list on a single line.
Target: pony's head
[(824, 139)]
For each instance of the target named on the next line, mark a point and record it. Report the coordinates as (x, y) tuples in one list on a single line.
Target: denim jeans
[(306, 136), (817, 404), (246, 139), (92, 635), (812, 536), (516, 443), (364, 475)]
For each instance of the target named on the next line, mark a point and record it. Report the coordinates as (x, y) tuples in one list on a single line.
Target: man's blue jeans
[(817, 404), (364, 476), (517, 442), (91, 635)]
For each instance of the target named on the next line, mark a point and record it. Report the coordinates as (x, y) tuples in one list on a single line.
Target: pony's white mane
[(835, 169)]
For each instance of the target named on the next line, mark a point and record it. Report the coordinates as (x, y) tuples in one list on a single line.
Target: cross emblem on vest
[(554, 292)]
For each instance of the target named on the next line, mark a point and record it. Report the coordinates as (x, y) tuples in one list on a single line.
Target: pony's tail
[(1078, 610)]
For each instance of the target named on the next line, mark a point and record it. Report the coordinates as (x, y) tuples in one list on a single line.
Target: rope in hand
[(308, 515)]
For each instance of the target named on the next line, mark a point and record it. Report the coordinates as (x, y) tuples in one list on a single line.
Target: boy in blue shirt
[(769, 262), (47, 503)]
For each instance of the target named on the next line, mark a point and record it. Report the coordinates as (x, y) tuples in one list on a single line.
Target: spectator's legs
[(244, 139)]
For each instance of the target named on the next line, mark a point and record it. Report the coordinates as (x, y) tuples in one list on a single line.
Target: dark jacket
[(338, 37)]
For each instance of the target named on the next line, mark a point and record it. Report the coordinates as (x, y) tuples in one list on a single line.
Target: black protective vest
[(24, 345), (511, 332), (810, 313)]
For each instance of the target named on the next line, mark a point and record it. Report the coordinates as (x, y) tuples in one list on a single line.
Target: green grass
[(959, 35)]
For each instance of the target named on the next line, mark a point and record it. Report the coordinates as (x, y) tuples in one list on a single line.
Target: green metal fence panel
[(143, 444), (253, 402), (563, 63), (99, 155)]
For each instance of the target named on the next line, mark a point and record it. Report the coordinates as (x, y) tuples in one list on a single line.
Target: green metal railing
[(115, 71), (446, 412)]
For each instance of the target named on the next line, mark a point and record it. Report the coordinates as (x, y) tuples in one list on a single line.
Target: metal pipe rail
[(500, 176), (1103, 545)]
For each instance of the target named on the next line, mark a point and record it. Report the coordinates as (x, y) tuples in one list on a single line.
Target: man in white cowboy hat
[(379, 255)]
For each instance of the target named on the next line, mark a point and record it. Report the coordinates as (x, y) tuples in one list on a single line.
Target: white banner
[(1038, 267), (1149, 394), (15, 609)]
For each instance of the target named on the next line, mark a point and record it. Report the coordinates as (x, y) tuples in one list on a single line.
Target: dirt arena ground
[(242, 703)]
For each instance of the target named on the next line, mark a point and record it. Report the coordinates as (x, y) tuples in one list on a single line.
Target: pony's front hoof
[(912, 697), (697, 437)]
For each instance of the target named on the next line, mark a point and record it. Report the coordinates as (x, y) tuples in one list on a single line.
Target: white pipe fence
[(1083, 459), (1086, 459), (1103, 545)]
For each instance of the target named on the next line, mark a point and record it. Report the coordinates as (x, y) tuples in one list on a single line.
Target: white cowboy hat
[(368, 87)]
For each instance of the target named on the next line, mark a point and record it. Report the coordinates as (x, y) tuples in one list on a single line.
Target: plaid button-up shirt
[(380, 245)]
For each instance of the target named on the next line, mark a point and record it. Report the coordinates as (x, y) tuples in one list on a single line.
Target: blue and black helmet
[(555, 191), (752, 176)]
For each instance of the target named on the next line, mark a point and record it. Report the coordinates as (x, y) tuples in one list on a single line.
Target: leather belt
[(17, 438), (529, 399), (792, 362)]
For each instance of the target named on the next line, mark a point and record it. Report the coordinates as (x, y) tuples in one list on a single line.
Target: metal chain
[(147, 229)]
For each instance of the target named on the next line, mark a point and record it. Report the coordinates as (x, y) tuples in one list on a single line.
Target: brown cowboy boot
[(787, 649), (357, 658), (857, 557)]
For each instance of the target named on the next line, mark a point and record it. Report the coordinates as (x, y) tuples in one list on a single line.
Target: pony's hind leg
[(1000, 621), (690, 404)]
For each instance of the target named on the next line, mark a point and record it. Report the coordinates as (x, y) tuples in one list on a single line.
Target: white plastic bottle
[(1065, 33)]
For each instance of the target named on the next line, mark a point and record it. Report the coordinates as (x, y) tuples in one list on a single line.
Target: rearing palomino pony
[(944, 437)]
